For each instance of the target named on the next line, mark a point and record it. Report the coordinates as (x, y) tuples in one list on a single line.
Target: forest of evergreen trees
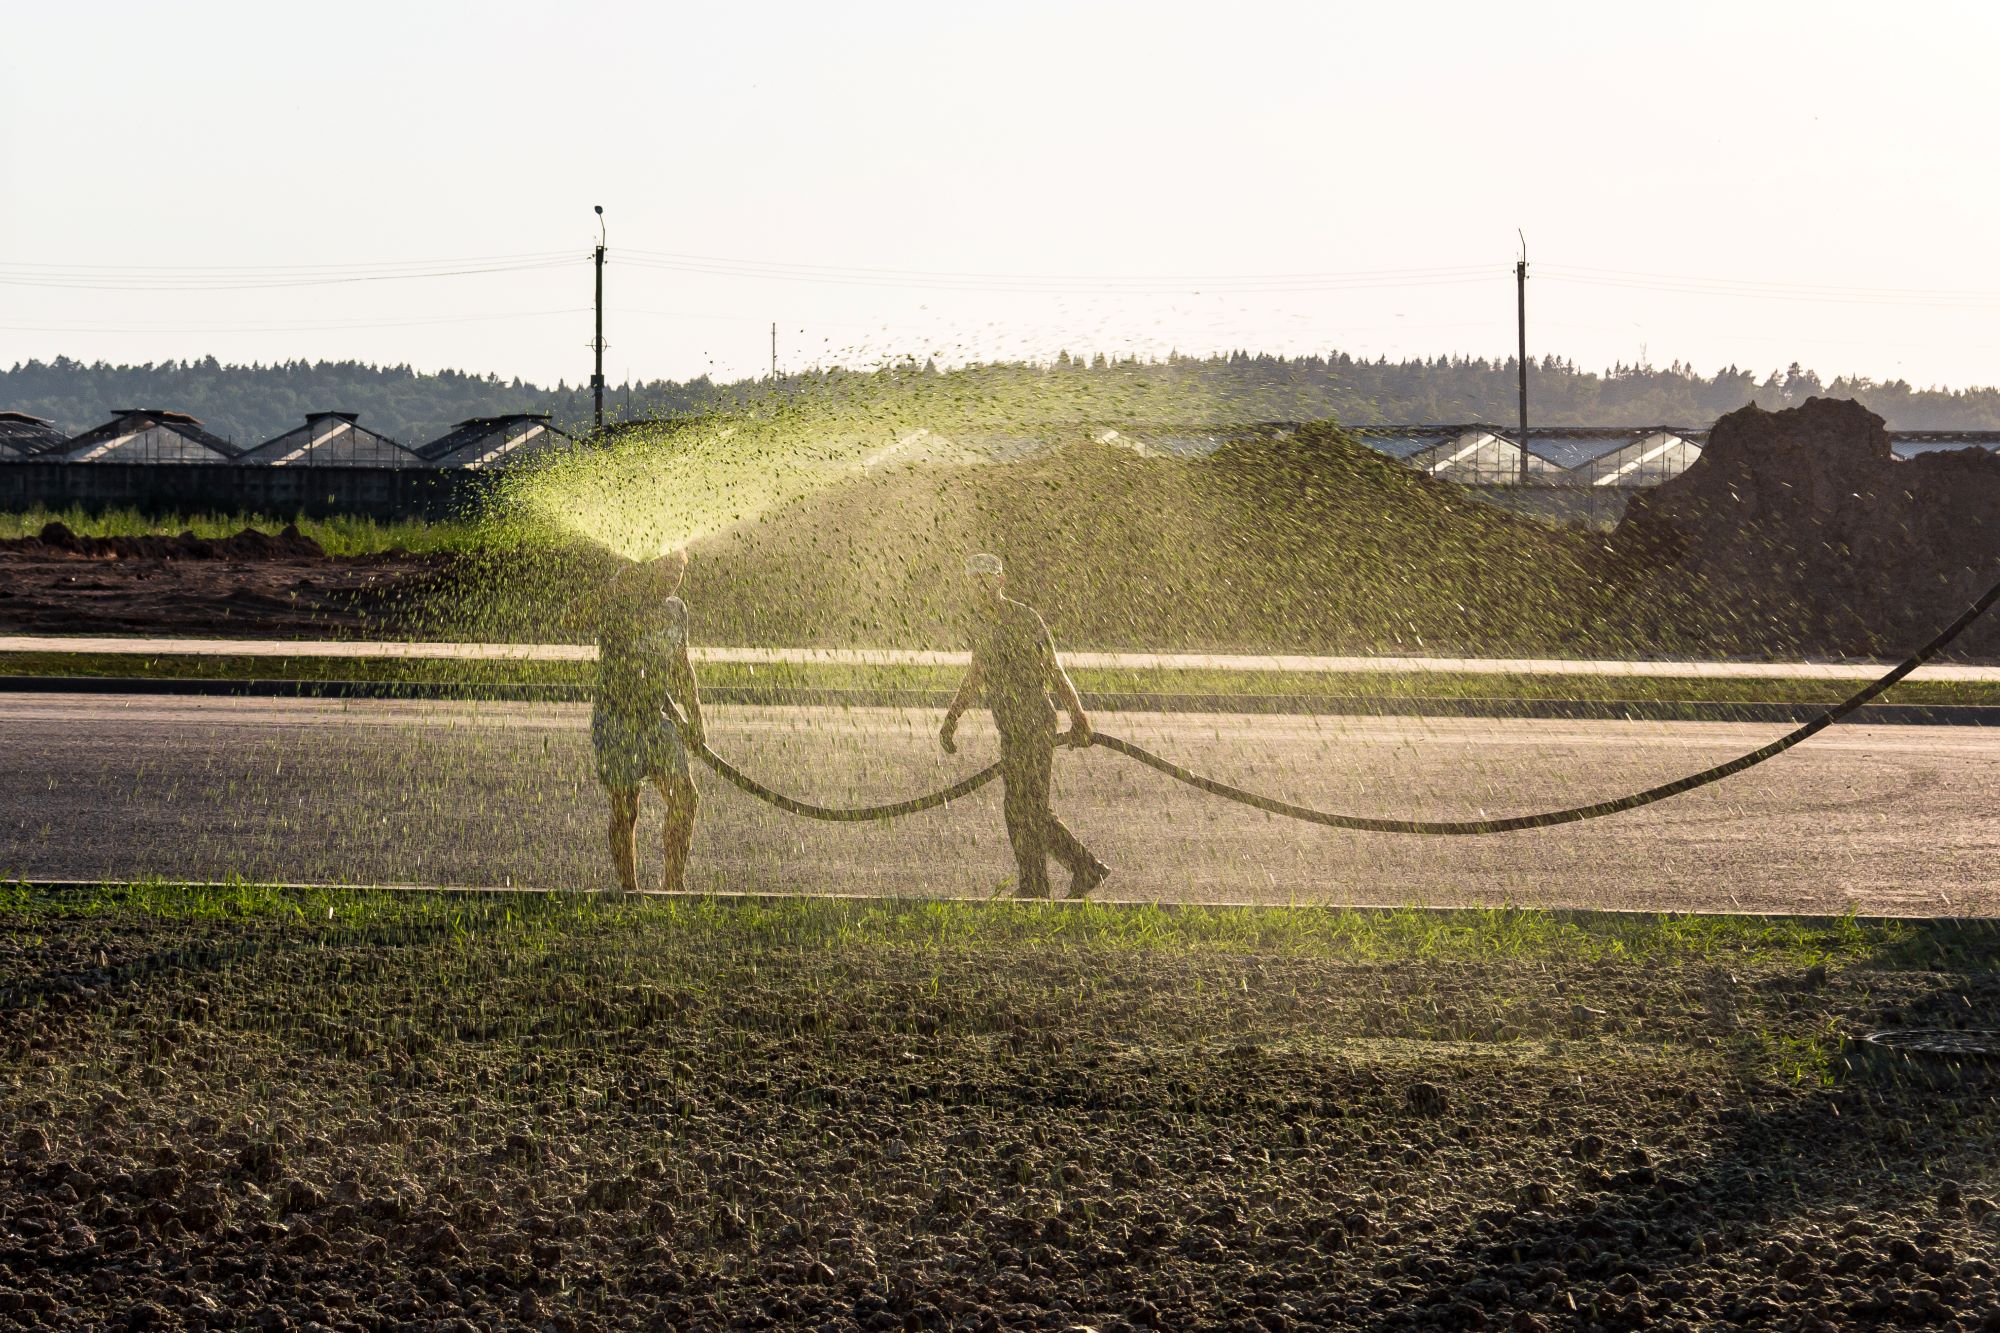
[(251, 403)]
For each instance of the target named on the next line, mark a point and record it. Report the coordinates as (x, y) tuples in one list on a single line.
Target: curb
[(1567, 710)]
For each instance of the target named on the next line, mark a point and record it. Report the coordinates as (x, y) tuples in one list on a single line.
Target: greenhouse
[(333, 439)]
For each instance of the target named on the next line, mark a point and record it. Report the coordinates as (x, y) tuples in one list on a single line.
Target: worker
[(648, 712), (1014, 663)]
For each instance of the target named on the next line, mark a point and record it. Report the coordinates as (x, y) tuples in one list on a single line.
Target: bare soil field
[(230, 1109), (253, 583)]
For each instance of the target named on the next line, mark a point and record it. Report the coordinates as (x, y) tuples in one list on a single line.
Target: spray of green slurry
[(1135, 516), (655, 488), (660, 488)]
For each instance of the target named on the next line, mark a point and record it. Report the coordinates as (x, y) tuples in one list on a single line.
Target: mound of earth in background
[(1303, 542), (251, 584), (1810, 536)]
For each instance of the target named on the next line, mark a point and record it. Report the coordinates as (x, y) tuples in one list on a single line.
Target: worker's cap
[(983, 564)]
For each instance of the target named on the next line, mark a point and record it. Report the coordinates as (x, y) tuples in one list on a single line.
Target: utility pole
[(597, 375), (774, 349), (1521, 321)]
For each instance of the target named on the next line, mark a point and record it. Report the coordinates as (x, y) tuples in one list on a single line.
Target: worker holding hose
[(1014, 663), (646, 683)]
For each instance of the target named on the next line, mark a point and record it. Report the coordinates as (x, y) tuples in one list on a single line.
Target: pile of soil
[(1797, 533), (608, 1121), (1311, 542), (1809, 535), (57, 541)]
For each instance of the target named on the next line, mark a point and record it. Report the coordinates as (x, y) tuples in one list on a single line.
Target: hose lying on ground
[(1367, 824), (845, 814)]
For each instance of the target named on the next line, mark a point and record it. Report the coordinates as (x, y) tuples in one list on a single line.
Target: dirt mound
[(1809, 535), (1312, 542), (57, 540)]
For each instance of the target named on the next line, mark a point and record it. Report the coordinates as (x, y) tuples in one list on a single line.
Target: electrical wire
[(1053, 284), (135, 280), (200, 327), (1767, 291), (382, 265)]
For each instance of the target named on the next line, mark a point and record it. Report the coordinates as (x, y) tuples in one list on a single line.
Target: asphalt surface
[(566, 652), (1888, 820)]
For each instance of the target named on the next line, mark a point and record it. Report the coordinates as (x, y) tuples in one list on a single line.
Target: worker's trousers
[(1027, 763)]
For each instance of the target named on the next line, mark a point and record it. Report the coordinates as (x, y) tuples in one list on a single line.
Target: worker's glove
[(1079, 735)]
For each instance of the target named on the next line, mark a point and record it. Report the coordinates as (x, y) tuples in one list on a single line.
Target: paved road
[(1894, 820), (566, 652)]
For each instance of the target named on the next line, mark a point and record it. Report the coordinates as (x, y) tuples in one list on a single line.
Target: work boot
[(1087, 877)]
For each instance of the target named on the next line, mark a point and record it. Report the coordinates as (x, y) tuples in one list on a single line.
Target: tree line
[(250, 403)]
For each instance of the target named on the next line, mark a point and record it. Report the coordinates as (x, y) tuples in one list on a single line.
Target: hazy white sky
[(1748, 183)]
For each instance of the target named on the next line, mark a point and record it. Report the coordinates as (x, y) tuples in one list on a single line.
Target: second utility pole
[(597, 376), (1521, 319)]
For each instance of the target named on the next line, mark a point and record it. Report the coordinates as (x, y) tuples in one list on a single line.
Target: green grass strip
[(1377, 936)]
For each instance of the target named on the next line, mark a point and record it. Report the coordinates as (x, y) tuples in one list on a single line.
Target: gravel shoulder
[(286, 1110)]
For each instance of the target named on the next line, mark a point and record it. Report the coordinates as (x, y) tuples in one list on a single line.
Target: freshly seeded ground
[(231, 1108)]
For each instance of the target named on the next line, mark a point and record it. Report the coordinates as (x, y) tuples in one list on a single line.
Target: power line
[(1077, 289), (1061, 283), (12, 276), (321, 326), (1769, 291), (747, 319), (384, 265), (1759, 282), (1056, 277)]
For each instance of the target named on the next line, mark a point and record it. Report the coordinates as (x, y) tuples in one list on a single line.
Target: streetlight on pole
[(597, 376)]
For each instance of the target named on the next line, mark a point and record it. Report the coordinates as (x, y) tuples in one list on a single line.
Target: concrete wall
[(169, 488)]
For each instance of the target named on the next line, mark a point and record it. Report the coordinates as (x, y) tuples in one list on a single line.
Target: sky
[(1748, 184)]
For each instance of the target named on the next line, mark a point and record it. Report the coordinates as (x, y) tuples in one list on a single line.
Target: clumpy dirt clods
[(565, 1116)]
